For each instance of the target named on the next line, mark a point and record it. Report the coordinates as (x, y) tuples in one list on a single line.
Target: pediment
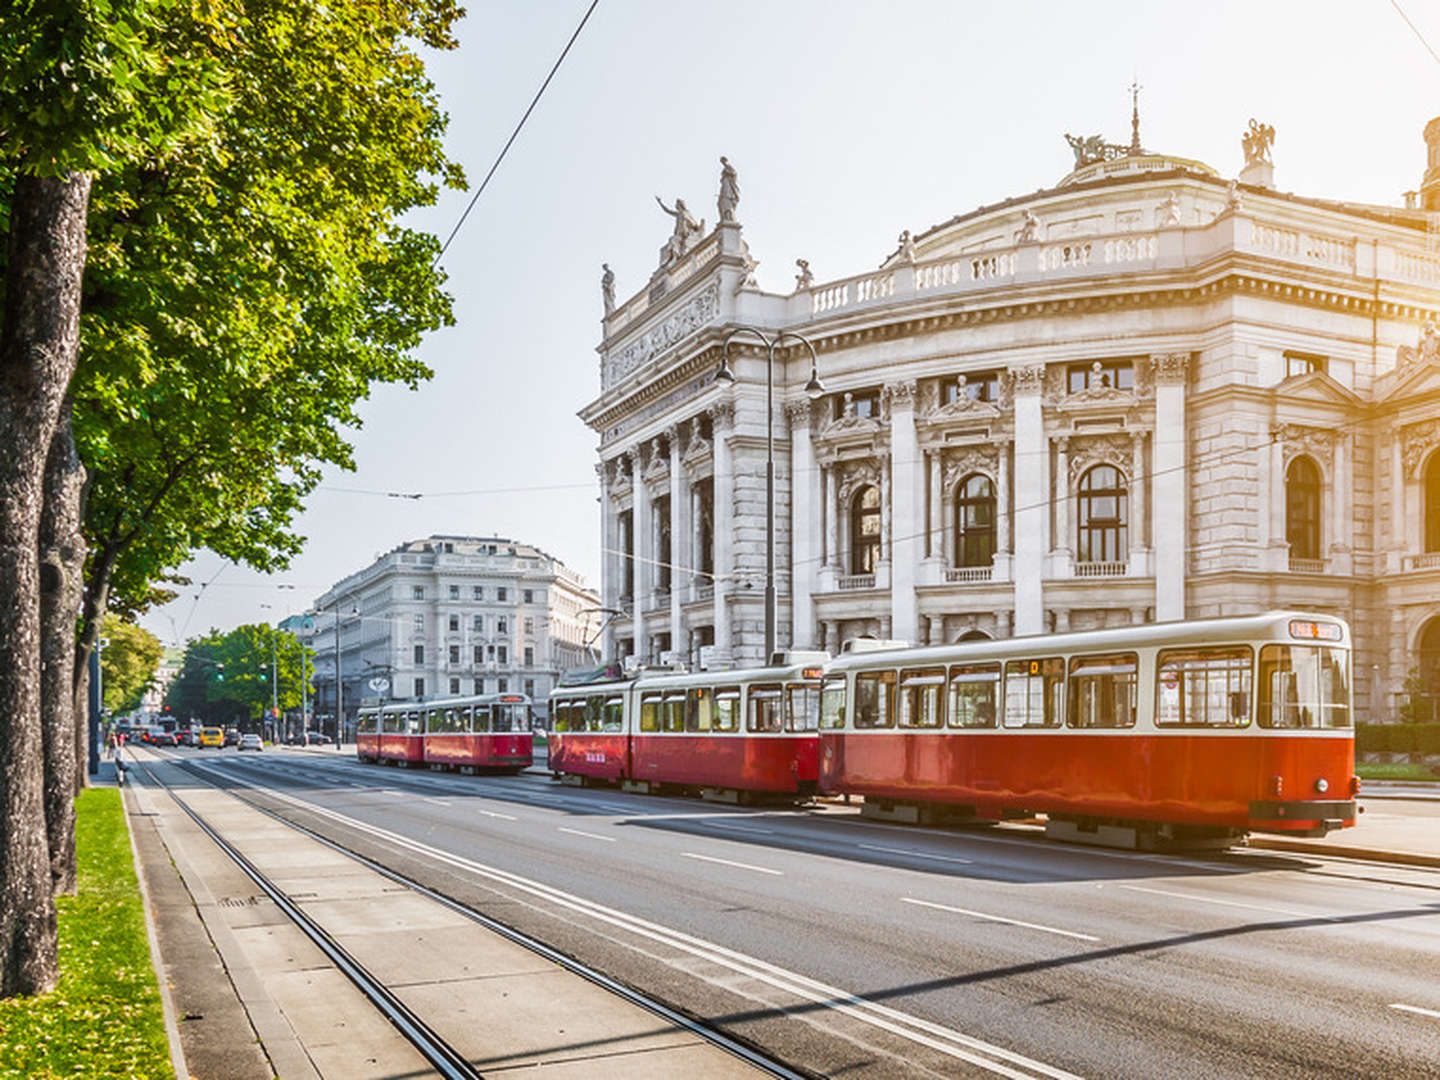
[(962, 410), (1414, 381), (1318, 387), (846, 427)]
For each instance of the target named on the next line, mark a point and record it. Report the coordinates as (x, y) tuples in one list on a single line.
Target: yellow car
[(212, 736)]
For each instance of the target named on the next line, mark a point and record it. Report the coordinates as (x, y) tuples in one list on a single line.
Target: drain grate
[(238, 901)]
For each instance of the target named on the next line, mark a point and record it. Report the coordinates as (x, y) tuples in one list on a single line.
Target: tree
[(227, 677), (128, 664)]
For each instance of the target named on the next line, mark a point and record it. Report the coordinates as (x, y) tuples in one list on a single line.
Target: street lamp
[(813, 388)]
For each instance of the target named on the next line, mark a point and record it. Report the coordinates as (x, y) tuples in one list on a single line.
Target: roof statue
[(1426, 351), (729, 197), (607, 287), (1167, 215), (804, 279), (907, 247), (1029, 229), (1089, 149), (1232, 196), (686, 230), (1256, 143)]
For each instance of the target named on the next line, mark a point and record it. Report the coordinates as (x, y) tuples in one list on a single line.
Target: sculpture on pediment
[(1256, 143), (804, 279), (965, 402), (1100, 388), (607, 287), (729, 197), (906, 252), (1427, 349), (1167, 216), (850, 419), (847, 410), (1029, 229), (687, 229)]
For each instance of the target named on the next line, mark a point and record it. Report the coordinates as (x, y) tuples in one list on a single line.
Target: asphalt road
[(852, 948)]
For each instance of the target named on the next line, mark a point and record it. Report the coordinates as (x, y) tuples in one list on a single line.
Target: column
[(1171, 497), (1138, 550), (804, 532), (722, 421), (679, 577), (640, 529), (1004, 558), (1032, 458), (609, 582), (907, 529), (1060, 542)]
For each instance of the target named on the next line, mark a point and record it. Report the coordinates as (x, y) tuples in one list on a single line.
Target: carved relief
[(955, 465), (1087, 451), (1318, 443), (854, 475), (1100, 391), (800, 416), (699, 311), (1416, 442), (964, 407), (848, 422), (1426, 351), (1170, 369), (722, 416), (900, 395), (1029, 379)]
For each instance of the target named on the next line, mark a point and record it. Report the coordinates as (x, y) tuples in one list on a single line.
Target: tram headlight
[(1322, 785)]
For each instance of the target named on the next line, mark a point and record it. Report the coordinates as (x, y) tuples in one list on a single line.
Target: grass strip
[(1393, 770), (104, 1018)]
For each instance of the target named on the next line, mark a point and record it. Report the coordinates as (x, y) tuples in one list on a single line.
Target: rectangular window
[(978, 386), (501, 594), (529, 656), (454, 624), (860, 403), (1103, 691), (832, 705), (502, 654), (1203, 687), (672, 712), (419, 688), (1302, 364), (802, 706), (528, 596), (502, 625), (766, 709), (529, 627), (454, 592), (727, 708), (974, 696), (1304, 686), (530, 688), (875, 699), (613, 718), (478, 655), (454, 686), (1034, 692), (1107, 374), (417, 592), (502, 685), (477, 624), (477, 592), (479, 685), (650, 713), (921, 692), (419, 624), (419, 654), (490, 651), (454, 654), (699, 710)]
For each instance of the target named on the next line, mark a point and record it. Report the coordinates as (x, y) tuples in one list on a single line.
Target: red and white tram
[(1192, 731), (489, 731), (729, 734)]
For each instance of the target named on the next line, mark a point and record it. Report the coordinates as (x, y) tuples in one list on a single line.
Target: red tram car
[(1189, 732), (489, 731), (731, 735)]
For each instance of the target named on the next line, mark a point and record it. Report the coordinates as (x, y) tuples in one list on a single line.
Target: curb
[(1404, 858)]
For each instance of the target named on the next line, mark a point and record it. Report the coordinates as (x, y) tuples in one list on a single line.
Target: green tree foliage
[(128, 664), (226, 677)]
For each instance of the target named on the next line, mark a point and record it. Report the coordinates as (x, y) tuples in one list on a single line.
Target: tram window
[(650, 713), (502, 718), (921, 693), (875, 699), (480, 718), (414, 723), (802, 707), (832, 705), (1103, 691), (614, 716), (1034, 693), (560, 716), (391, 723), (765, 709), (1303, 686), (1203, 687), (727, 708), (974, 695), (672, 712), (367, 724), (699, 707), (593, 707)]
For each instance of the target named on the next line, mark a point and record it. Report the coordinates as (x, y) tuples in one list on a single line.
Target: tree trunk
[(62, 563), (38, 341)]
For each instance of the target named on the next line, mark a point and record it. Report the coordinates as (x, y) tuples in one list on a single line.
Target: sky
[(848, 122)]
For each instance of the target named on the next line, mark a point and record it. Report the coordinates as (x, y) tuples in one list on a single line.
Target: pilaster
[(907, 532), (804, 531), (1171, 511), (1032, 459), (722, 424)]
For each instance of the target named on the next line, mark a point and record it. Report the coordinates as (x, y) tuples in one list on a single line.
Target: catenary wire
[(1401, 12)]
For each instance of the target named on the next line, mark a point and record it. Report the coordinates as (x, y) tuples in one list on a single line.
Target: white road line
[(999, 919), (1416, 1009), (916, 854), (437, 802), (728, 862), (1268, 909), (492, 813), (737, 828), (945, 1040), (588, 835)]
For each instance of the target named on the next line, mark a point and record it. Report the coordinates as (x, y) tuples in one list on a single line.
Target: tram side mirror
[(1239, 702)]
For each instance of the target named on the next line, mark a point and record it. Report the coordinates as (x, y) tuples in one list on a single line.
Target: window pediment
[(1316, 386)]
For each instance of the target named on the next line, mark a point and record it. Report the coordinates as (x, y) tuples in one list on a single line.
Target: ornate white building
[(1144, 393)]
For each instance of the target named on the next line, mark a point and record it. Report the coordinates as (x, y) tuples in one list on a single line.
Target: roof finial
[(1135, 89)]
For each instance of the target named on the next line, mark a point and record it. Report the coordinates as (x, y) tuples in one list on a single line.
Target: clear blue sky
[(848, 122)]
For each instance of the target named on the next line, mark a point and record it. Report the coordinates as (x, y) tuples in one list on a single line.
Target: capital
[(722, 416), (1029, 379), (901, 395), (1171, 369)]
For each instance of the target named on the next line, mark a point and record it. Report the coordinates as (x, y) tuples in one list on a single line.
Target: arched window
[(1432, 503), (1302, 508), (974, 521), (1428, 668), (865, 530), (1104, 515), (974, 635)]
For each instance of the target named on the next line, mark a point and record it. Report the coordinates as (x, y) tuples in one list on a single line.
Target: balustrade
[(966, 574), (1306, 566), (855, 581), (1100, 569)]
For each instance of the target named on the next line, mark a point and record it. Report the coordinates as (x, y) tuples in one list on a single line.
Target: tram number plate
[(592, 758)]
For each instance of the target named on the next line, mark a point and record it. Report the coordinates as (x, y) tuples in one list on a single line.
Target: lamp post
[(814, 388)]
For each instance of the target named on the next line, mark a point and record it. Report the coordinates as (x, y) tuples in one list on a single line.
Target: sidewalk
[(1381, 834), (255, 997)]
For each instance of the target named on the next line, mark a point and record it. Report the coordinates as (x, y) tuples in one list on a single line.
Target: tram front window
[(832, 704), (1304, 686)]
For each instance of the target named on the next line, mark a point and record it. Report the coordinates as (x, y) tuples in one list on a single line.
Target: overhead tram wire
[(1428, 48), (515, 134)]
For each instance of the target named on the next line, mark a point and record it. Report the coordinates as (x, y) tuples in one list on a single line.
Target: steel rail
[(448, 1061), (729, 1043)]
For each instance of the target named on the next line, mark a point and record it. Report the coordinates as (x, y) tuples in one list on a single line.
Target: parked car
[(232, 736), (319, 738), (250, 741), (212, 736)]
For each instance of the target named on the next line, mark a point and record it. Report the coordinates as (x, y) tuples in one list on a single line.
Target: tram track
[(446, 1059)]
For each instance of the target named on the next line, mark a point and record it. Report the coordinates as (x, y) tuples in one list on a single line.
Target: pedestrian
[(109, 744)]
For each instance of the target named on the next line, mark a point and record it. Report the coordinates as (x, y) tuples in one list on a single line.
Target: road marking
[(1230, 903), (999, 919), (437, 802), (492, 813), (1416, 1009), (945, 1040), (916, 854), (587, 835), (728, 862), (737, 827)]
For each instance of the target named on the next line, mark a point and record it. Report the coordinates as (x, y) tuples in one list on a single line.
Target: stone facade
[(1083, 407), (451, 615)]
